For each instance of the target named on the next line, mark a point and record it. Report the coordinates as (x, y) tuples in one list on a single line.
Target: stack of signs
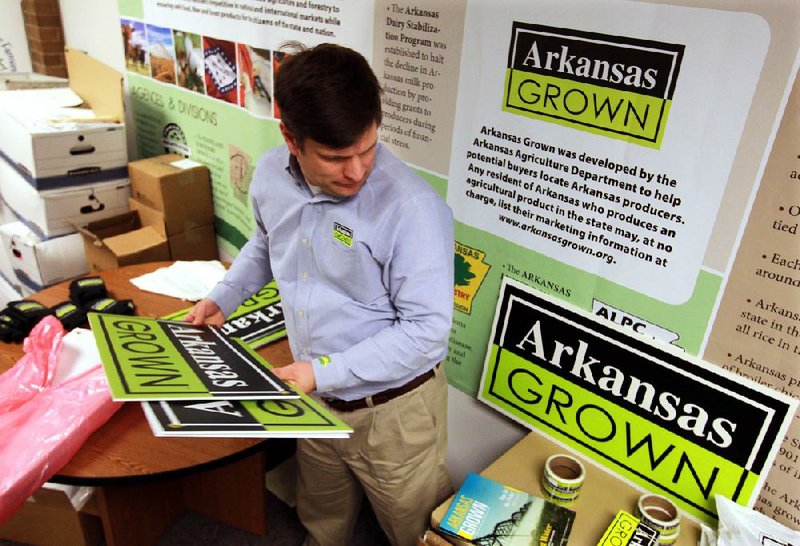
[(258, 321), (198, 381)]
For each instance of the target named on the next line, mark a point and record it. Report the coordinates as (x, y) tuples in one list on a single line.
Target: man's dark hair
[(329, 94)]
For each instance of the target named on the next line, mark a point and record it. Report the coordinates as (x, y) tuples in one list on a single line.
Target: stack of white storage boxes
[(61, 165)]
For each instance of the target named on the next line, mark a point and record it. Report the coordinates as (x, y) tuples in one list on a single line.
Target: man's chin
[(345, 190)]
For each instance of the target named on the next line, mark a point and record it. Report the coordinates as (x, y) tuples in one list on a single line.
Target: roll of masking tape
[(562, 478), (661, 514)]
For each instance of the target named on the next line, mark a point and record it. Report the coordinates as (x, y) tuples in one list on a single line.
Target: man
[(362, 250)]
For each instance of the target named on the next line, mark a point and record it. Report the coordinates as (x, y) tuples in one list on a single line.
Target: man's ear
[(290, 140)]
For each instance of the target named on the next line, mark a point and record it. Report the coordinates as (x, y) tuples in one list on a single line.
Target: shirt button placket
[(308, 224)]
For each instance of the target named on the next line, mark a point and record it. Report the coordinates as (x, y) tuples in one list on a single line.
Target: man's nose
[(354, 168)]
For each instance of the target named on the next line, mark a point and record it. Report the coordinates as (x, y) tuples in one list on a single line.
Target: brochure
[(486, 512)]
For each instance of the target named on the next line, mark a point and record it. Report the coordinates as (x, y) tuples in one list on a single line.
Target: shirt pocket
[(352, 271)]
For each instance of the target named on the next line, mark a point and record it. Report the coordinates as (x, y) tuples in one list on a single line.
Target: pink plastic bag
[(35, 371), (43, 425)]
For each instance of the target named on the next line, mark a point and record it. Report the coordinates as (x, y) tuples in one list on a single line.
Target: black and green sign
[(152, 359), (609, 85), (671, 424), (257, 322), (299, 418)]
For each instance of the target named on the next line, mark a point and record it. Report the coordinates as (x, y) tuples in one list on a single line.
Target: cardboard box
[(6, 214), (49, 518), (56, 212), (121, 240), (195, 244), (149, 216), (47, 137), (178, 187), (12, 81), (35, 263), (199, 243)]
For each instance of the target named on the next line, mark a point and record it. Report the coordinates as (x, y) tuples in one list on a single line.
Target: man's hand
[(299, 373), (205, 311)]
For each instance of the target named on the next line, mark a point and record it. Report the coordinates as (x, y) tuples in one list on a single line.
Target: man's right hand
[(206, 311)]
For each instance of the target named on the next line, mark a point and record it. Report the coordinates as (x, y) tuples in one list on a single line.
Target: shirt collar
[(293, 168)]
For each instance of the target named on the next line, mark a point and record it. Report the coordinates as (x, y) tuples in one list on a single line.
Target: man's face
[(336, 171)]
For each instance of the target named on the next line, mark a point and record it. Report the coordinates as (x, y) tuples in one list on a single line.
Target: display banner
[(634, 158), (665, 421)]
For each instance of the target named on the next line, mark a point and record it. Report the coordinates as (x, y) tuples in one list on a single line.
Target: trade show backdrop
[(636, 159)]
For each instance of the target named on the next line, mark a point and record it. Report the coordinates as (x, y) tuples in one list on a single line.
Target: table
[(602, 494), (144, 482)]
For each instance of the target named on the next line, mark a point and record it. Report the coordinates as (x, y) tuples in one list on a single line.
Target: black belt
[(381, 397)]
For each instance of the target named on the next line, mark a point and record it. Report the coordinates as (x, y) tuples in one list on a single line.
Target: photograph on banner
[(221, 76), (161, 52), (670, 423), (190, 64), (134, 43), (255, 79)]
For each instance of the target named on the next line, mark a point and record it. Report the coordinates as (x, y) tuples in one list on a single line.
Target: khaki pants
[(396, 456)]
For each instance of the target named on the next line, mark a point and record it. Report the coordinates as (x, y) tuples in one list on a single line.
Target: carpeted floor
[(284, 529), (283, 526)]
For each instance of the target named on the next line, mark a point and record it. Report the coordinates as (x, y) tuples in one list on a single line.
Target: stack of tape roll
[(661, 514), (562, 478)]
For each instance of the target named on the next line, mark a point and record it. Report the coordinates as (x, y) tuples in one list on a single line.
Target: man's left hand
[(299, 373)]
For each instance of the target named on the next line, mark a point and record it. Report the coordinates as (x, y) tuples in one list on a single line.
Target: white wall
[(93, 26), (478, 435)]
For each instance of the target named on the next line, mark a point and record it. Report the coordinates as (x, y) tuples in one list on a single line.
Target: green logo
[(607, 85), (343, 234), (470, 270)]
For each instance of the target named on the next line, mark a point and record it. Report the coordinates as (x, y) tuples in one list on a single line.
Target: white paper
[(187, 280)]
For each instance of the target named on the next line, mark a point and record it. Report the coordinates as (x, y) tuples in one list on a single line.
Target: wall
[(98, 35)]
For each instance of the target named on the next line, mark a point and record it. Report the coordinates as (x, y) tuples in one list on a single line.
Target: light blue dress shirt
[(366, 282)]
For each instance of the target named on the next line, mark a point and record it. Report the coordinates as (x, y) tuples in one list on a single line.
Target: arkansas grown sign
[(257, 321), (153, 359), (667, 422)]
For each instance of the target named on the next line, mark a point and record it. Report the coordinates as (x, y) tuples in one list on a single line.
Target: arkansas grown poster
[(153, 359)]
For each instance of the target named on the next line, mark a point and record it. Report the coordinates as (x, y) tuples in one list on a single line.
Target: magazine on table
[(489, 513)]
